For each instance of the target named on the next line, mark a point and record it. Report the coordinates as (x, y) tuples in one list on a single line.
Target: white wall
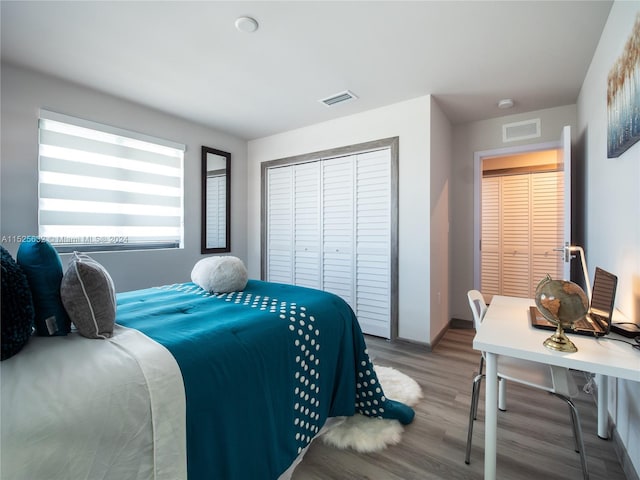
[(440, 160), (23, 94), (476, 137), (613, 207), (408, 120)]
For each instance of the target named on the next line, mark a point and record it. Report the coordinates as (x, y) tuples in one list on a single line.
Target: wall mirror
[(216, 201)]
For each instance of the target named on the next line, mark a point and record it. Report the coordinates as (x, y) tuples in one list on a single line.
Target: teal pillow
[(42, 265), (17, 307)]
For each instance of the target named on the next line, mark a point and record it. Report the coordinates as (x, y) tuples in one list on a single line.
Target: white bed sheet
[(78, 408)]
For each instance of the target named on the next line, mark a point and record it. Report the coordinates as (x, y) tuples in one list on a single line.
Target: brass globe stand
[(561, 302), (559, 341)]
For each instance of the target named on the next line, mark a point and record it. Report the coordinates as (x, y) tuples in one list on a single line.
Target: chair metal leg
[(480, 374), (574, 425), (502, 394), (473, 410), (577, 432), (475, 404)]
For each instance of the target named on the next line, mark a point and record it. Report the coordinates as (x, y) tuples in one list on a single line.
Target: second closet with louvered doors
[(522, 225), (330, 222)]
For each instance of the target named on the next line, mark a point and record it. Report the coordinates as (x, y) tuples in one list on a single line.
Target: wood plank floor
[(535, 439)]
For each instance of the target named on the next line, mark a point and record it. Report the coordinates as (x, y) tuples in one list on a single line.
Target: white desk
[(506, 330)]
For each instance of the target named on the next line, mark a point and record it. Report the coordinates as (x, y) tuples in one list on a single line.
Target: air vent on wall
[(521, 130), (339, 98)]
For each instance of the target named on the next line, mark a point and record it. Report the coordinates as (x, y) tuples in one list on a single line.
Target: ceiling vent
[(339, 98), (521, 130)]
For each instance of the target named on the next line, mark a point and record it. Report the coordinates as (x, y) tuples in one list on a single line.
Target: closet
[(328, 224), (522, 225)]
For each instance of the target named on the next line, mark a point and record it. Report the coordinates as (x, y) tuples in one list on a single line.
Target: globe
[(561, 302)]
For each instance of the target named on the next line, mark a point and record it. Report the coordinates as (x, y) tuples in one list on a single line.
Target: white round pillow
[(220, 274)]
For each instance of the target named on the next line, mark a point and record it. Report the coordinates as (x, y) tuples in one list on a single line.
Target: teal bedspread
[(262, 370)]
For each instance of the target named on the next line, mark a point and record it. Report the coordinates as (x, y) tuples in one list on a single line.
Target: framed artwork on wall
[(623, 97)]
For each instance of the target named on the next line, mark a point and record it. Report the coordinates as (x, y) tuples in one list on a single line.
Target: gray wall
[(476, 137), (409, 120), (440, 166), (613, 209), (23, 94)]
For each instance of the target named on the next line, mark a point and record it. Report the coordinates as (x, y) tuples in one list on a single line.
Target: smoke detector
[(246, 24)]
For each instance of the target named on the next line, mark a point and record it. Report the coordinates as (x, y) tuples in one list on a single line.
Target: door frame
[(477, 192)]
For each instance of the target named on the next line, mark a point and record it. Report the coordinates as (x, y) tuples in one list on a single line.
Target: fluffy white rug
[(365, 434)]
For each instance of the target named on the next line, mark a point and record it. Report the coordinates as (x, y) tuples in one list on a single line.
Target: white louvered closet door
[(306, 224), (522, 223), (338, 228), (329, 227), (515, 278), (547, 232), (490, 234), (373, 242), (280, 221)]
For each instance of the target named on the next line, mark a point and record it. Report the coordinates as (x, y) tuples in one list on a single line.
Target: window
[(102, 188)]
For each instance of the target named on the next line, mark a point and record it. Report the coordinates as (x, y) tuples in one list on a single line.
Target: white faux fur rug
[(365, 434)]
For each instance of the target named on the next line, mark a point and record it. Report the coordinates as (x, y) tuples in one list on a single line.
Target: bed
[(191, 385)]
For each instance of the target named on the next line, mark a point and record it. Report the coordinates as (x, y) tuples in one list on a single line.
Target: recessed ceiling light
[(246, 24), (505, 103)]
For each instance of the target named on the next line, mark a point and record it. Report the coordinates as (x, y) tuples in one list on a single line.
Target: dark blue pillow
[(17, 307), (42, 265)]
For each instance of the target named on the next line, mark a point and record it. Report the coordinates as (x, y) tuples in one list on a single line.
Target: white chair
[(552, 379)]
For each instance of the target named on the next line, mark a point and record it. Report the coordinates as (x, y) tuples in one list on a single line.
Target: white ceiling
[(187, 58)]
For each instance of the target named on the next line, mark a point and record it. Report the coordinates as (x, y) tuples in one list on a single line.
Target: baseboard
[(453, 323), (426, 345), (622, 454), (460, 323)]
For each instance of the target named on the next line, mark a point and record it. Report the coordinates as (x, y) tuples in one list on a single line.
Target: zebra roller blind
[(105, 188)]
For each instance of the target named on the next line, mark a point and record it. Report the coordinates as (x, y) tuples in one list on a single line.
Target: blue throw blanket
[(262, 369)]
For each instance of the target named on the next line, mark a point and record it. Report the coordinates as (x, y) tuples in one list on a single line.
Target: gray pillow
[(89, 296)]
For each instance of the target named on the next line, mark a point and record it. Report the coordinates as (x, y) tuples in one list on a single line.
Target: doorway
[(521, 222), (522, 216)]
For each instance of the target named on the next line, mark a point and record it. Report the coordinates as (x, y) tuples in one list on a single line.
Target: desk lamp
[(572, 249)]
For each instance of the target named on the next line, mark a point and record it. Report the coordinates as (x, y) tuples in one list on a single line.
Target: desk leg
[(602, 381), (491, 417)]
